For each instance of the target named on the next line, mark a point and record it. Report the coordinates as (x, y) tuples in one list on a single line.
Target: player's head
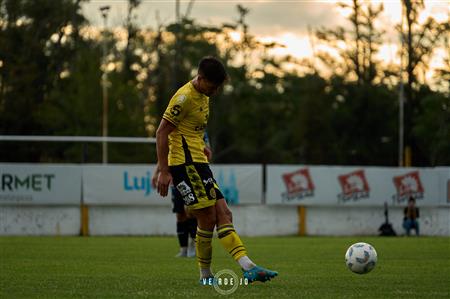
[(411, 201), (211, 75)]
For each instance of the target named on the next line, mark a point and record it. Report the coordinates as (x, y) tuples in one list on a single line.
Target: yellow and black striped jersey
[(188, 110)]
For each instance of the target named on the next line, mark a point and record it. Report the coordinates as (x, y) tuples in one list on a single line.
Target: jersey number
[(176, 110)]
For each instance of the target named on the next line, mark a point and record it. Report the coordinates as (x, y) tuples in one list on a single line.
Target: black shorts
[(196, 185), (177, 200)]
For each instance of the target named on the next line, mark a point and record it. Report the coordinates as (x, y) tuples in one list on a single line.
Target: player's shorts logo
[(186, 193), (212, 193), (184, 188), (188, 199), (208, 181)]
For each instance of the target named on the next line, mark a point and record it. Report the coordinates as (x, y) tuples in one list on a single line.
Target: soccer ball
[(361, 258)]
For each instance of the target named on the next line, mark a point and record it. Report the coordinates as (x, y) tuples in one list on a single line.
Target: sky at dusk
[(266, 18), (284, 21)]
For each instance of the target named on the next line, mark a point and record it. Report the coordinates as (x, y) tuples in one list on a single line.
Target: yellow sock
[(203, 248), (230, 241)]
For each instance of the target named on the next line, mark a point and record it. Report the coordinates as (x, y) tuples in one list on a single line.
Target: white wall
[(367, 220), (131, 220), (254, 220), (152, 220), (39, 220), (265, 220)]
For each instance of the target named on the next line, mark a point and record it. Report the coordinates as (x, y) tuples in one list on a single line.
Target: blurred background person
[(411, 214)]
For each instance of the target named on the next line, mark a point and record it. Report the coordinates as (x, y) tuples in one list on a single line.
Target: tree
[(432, 127), (36, 48), (363, 110), (356, 47), (364, 123), (420, 40)]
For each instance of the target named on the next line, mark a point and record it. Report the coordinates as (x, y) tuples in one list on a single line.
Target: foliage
[(52, 62)]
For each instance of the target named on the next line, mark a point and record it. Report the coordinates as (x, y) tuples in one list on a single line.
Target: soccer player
[(186, 222), (181, 160)]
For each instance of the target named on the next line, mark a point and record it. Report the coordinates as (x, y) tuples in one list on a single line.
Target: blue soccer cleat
[(259, 274)]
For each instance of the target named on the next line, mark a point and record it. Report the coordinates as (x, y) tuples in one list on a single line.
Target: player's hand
[(155, 178), (208, 153), (164, 180)]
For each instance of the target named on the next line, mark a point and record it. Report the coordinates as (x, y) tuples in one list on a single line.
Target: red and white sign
[(298, 184), (408, 185), (354, 186)]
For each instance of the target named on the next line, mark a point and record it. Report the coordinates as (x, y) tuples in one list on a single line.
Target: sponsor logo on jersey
[(181, 99)]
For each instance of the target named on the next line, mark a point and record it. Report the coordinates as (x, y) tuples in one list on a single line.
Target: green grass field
[(144, 267)]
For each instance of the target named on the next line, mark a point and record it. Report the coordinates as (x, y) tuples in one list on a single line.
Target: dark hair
[(212, 70), (411, 199)]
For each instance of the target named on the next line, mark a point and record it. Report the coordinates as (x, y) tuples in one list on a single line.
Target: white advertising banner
[(40, 184), (120, 185), (331, 185), (240, 184), (131, 184)]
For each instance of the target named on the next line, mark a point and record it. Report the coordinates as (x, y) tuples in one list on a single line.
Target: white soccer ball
[(361, 258)]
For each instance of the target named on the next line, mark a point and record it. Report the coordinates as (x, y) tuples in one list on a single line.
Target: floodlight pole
[(177, 46), (401, 116), (401, 103), (104, 11)]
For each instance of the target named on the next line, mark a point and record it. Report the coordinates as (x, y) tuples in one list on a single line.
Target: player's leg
[(229, 238), (182, 223), (416, 226), (191, 185), (183, 234), (232, 243), (407, 226), (227, 235), (206, 219), (404, 225), (192, 231), (192, 227)]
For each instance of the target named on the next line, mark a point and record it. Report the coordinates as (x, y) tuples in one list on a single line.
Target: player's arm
[(207, 150), (162, 175)]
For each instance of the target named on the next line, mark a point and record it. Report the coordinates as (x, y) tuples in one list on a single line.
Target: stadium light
[(104, 10), (401, 103)]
